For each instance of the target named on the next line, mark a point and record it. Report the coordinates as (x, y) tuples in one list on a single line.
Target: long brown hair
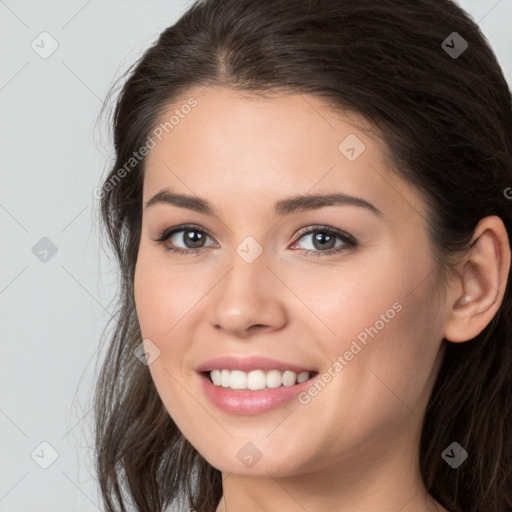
[(444, 112)]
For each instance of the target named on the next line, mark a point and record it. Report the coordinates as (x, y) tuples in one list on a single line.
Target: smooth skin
[(354, 446)]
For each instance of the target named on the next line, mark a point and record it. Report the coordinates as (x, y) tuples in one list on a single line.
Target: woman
[(310, 211)]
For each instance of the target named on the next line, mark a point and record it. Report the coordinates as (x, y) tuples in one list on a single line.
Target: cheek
[(149, 299), (162, 300), (382, 321), (164, 296), (349, 298), (402, 339)]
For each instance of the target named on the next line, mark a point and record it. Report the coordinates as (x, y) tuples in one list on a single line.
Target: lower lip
[(248, 403)]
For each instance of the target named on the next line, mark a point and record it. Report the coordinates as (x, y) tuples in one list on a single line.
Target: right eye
[(189, 235)]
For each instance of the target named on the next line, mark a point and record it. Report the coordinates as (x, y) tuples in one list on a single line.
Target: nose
[(248, 299)]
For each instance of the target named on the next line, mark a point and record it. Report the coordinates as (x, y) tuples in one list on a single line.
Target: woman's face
[(363, 321)]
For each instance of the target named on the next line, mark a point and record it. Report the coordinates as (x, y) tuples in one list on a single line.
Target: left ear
[(478, 292)]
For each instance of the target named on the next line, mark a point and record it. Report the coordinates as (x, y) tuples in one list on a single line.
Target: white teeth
[(274, 379), (238, 380), (289, 378), (302, 377), (225, 378), (215, 375), (257, 379)]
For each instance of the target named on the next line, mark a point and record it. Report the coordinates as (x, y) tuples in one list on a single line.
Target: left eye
[(323, 241)]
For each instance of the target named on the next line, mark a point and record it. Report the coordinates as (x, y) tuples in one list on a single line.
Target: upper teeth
[(256, 379)]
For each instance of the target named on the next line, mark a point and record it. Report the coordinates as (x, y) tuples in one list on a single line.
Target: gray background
[(53, 153)]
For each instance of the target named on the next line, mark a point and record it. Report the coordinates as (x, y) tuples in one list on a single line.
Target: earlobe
[(482, 283)]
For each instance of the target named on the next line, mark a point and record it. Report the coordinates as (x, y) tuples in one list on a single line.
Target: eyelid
[(167, 233), (348, 240), (319, 227)]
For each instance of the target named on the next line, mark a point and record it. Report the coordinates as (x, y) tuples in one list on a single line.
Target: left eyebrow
[(283, 207), (314, 202)]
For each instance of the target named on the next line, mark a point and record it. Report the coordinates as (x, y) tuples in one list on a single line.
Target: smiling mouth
[(256, 380)]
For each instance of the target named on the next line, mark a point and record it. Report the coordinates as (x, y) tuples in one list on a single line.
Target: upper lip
[(249, 363)]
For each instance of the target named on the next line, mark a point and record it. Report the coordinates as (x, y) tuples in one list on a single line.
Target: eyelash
[(348, 241)]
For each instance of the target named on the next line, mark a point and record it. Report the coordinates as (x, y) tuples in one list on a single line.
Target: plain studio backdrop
[(58, 60)]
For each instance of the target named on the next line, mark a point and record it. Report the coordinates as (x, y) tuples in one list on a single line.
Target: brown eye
[(324, 239), (192, 237)]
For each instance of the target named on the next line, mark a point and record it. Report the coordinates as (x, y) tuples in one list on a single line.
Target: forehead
[(248, 148)]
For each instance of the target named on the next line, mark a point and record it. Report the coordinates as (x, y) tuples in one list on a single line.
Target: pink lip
[(244, 402), (247, 364)]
